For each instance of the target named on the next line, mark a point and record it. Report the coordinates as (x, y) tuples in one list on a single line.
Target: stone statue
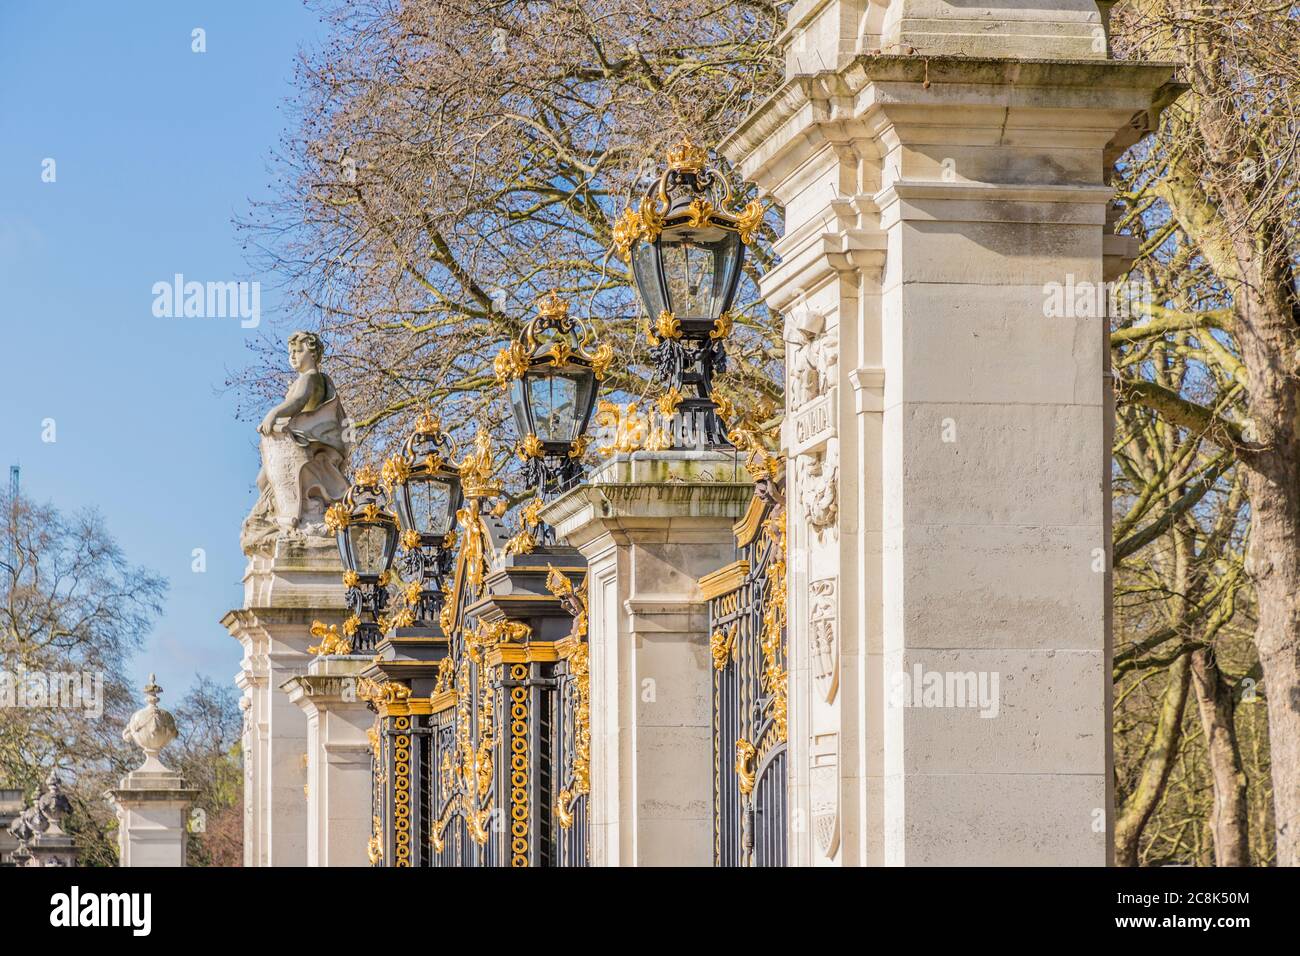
[(42, 841), (151, 729), (303, 454)]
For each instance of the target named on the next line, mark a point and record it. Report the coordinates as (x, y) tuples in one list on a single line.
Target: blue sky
[(156, 148)]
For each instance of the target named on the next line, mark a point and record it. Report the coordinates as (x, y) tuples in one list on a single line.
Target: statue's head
[(305, 350)]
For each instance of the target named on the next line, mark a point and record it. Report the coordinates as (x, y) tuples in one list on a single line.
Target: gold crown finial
[(367, 474), (551, 306), (477, 468), (428, 423), (686, 157)]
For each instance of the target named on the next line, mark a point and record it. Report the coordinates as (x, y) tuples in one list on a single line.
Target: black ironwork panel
[(571, 735), (747, 624), (481, 756)]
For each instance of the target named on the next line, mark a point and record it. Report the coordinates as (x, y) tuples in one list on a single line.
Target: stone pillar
[(153, 812), (942, 171), (338, 760), (298, 580), (152, 802), (650, 524)]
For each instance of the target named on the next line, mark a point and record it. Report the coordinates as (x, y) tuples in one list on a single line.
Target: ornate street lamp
[(552, 378), (686, 251), (367, 537), (425, 486)]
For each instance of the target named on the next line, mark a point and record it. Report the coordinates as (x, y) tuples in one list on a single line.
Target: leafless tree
[(1213, 200), (454, 159)]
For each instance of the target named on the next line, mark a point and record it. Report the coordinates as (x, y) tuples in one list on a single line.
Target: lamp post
[(367, 538), (686, 252), (552, 376), (425, 486)]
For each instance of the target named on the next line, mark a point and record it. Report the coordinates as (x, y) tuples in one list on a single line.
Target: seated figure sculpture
[(303, 454)]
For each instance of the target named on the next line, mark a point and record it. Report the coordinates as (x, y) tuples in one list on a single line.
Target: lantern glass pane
[(645, 269), (368, 543), (430, 500), (554, 401), (700, 274), (519, 406)]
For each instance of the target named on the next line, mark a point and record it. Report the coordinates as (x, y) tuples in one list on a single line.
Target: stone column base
[(152, 818)]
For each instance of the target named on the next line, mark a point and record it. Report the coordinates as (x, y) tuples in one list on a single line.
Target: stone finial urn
[(151, 729)]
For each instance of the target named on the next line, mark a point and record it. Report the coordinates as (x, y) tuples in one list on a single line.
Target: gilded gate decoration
[(482, 732), (747, 624)]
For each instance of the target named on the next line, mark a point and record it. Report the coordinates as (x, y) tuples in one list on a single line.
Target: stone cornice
[(821, 109), (590, 510)]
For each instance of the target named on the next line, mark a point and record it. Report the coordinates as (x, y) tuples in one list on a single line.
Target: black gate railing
[(481, 753), (747, 623)]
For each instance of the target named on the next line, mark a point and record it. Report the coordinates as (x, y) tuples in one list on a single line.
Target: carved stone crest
[(812, 422), (818, 477), (823, 646), (824, 792)]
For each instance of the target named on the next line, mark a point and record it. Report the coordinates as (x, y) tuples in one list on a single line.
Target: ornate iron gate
[(747, 623), (480, 757)]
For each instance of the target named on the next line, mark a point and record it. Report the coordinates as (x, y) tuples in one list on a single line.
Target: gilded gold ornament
[(330, 641), (721, 645), (627, 230), (686, 157), (699, 213), (337, 517), (722, 326), (744, 766), (477, 468), (748, 221), (560, 352), (531, 447), (396, 471), (668, 326), (667, 402), (510, 363), (629, 427), (601, 360)]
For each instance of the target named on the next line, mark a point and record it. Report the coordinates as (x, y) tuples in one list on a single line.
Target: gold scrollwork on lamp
[(531, 447), (337, 516), (646, 222), (722, 326), (510, 363), (699, 213), (667, 402), (556, 336), (667, 325), (748, 221)]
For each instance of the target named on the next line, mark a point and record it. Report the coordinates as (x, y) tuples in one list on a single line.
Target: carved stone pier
[(941, 166), (650, 524)]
